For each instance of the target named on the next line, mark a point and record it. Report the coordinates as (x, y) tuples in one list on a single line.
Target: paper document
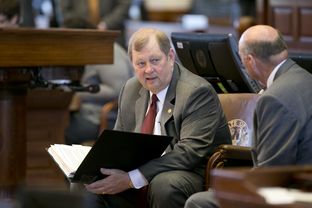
[(113, 149), (68, 157)]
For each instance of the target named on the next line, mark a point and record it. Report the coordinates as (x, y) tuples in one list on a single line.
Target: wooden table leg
[(12, 132), (12, 140)]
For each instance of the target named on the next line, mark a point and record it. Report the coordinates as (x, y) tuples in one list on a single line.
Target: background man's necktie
[(149, 120)]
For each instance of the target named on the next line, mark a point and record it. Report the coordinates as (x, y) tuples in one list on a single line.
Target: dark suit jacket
[(192, 114), (113, 12), (283, 119)]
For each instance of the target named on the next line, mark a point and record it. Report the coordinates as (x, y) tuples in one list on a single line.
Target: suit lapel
[(169, 103), (141, 107)]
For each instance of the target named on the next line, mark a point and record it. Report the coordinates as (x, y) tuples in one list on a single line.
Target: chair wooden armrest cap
[(235, 152)]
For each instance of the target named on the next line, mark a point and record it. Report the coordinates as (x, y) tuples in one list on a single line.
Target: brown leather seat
[(238, 109)]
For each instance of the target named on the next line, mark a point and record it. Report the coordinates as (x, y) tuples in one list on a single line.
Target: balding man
[(188, 109), (283, 115)]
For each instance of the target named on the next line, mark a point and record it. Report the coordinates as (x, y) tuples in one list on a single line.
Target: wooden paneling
[(279, 16), (292, 18), (305, 24)]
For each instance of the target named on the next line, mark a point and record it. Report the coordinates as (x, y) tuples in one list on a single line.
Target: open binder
[(113, 149)]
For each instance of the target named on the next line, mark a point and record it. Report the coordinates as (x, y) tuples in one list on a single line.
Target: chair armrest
[(106, 109), (75, 103), (228, 156), (235, 152)]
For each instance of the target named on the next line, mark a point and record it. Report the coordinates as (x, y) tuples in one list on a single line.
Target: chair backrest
[(239, 109)]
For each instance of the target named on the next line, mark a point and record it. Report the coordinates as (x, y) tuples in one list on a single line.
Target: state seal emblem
[(240, 132)]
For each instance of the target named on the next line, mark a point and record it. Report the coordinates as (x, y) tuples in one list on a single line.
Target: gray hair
[(140, 38)]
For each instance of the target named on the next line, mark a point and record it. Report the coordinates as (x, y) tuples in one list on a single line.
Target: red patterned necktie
[(149, 120)]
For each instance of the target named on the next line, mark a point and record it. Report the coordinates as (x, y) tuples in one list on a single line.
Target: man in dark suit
[(283, 115), (188, 109)]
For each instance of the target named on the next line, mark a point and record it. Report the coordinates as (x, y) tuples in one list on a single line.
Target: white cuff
[(137, 179)]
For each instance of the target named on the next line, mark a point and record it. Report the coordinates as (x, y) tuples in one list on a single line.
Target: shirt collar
[(272, 75), (161, 95)]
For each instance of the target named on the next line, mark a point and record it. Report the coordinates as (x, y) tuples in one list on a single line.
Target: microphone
[(89, 88), (78, 88)]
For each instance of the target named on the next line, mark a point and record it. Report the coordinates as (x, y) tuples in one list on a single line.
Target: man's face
[(246, 60), (247, 65), (250, 66), (152, 67)]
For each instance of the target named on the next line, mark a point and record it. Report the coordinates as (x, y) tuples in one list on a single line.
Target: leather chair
[(105, 111), (238, 109)]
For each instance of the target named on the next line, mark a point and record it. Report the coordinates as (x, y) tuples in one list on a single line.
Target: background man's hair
[(9, 8)]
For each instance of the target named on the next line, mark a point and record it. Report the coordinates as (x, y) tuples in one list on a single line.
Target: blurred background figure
[(9, 13), (239, 14), (105, 14), (86, 107)]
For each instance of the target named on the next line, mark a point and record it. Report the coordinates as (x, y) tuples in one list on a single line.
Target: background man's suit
[(284, 112), (112, 12)]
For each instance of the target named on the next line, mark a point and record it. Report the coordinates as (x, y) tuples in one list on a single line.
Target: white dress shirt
[(272, 75), (137, 178)]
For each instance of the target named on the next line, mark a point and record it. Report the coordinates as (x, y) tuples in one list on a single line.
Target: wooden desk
[(22, 51), (47, 116), (237, 188)]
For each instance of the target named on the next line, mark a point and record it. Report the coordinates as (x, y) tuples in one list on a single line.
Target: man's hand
[(102, 26), (116, 181)]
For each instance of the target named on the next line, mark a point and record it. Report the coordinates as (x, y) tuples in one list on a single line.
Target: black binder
[(120, 150)]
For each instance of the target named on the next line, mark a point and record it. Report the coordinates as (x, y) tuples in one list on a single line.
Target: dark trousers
[(126, 199), (167, 190)]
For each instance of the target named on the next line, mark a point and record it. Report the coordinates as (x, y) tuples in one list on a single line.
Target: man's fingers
[(105, 171)]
